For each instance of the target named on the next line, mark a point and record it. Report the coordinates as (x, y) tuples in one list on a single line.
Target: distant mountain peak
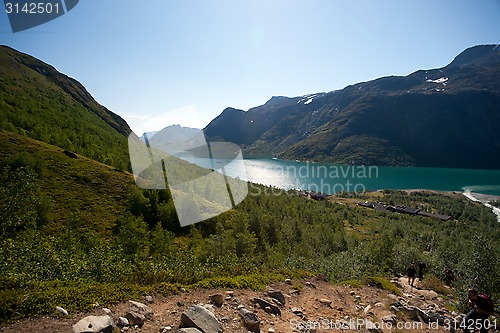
[(478, 55), (443, 117)]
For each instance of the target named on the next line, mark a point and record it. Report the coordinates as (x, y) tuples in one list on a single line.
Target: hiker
[(421, 267), (449, 277), (411, 272), (482, 308)]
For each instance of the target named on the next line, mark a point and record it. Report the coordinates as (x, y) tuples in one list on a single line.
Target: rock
[(389, 319), (94, 324), (393, 297), (263, 304), (288, 281), (135, 318), (277, 295), (217, 299), (367, 309), (122, 321), (209, 307), (149, 299), (394, 308), (250, 320), (142, 309), (179, 303), (166, 329), (357, 298), (379, 305), (107, 311), (197, 316), (310, 284), (325, 301), (62, 311), (70, 154), (271, 330), (188, 330), (352, 293), (294, 292)]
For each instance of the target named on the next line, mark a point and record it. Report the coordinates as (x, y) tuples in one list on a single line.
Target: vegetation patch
[(382, 283)]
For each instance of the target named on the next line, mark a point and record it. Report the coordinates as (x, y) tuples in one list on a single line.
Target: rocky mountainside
[(38, 101), (310, 305), (446, 117)]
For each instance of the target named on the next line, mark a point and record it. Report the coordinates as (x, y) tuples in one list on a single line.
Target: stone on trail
[(135, 318), (250, 320), (277, 295), (197, 316), (142, 309), (266, 304), (217, 299), (94, 324)]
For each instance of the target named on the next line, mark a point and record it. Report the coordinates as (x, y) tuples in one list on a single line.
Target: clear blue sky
[(153, 57)]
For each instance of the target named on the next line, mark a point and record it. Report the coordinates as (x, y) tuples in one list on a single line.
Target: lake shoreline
[(485, 200)]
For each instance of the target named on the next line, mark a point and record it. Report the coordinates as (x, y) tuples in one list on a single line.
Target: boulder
[(135, 318), (217, 299), (250, 320), (197, 316), (122, 321), (142, 309), (149, 299), (264, 304), (94, 324), (277, 295)]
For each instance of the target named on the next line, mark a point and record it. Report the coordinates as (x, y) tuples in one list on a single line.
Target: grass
[(74, 188), (431, 282), (381, 283), (352, 283)]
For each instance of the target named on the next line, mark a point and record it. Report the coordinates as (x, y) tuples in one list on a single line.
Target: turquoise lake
[(332, 178)]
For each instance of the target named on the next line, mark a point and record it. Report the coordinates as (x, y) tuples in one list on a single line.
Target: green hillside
[(38, 101), (74, 232)]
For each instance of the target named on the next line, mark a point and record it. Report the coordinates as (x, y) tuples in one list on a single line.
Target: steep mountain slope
[(38, 101), (445, 117)]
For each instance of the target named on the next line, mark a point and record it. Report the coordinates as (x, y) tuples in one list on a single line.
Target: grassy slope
[(97, 191), (38, 101)]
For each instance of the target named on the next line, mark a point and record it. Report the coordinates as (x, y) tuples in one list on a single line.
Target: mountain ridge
[(38, 101), (383, 121)]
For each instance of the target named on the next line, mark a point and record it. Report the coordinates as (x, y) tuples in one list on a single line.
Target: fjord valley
[(76, 232), (445, 117)]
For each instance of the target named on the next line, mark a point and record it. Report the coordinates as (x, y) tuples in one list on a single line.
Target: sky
[(163, 62)]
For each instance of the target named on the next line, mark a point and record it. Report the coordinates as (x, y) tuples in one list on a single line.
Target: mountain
[(445, 117), (38, 101)]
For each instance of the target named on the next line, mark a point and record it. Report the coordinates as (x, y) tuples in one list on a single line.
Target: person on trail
[(421, 267), (449, 277), (482, 308), (411, 272)]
